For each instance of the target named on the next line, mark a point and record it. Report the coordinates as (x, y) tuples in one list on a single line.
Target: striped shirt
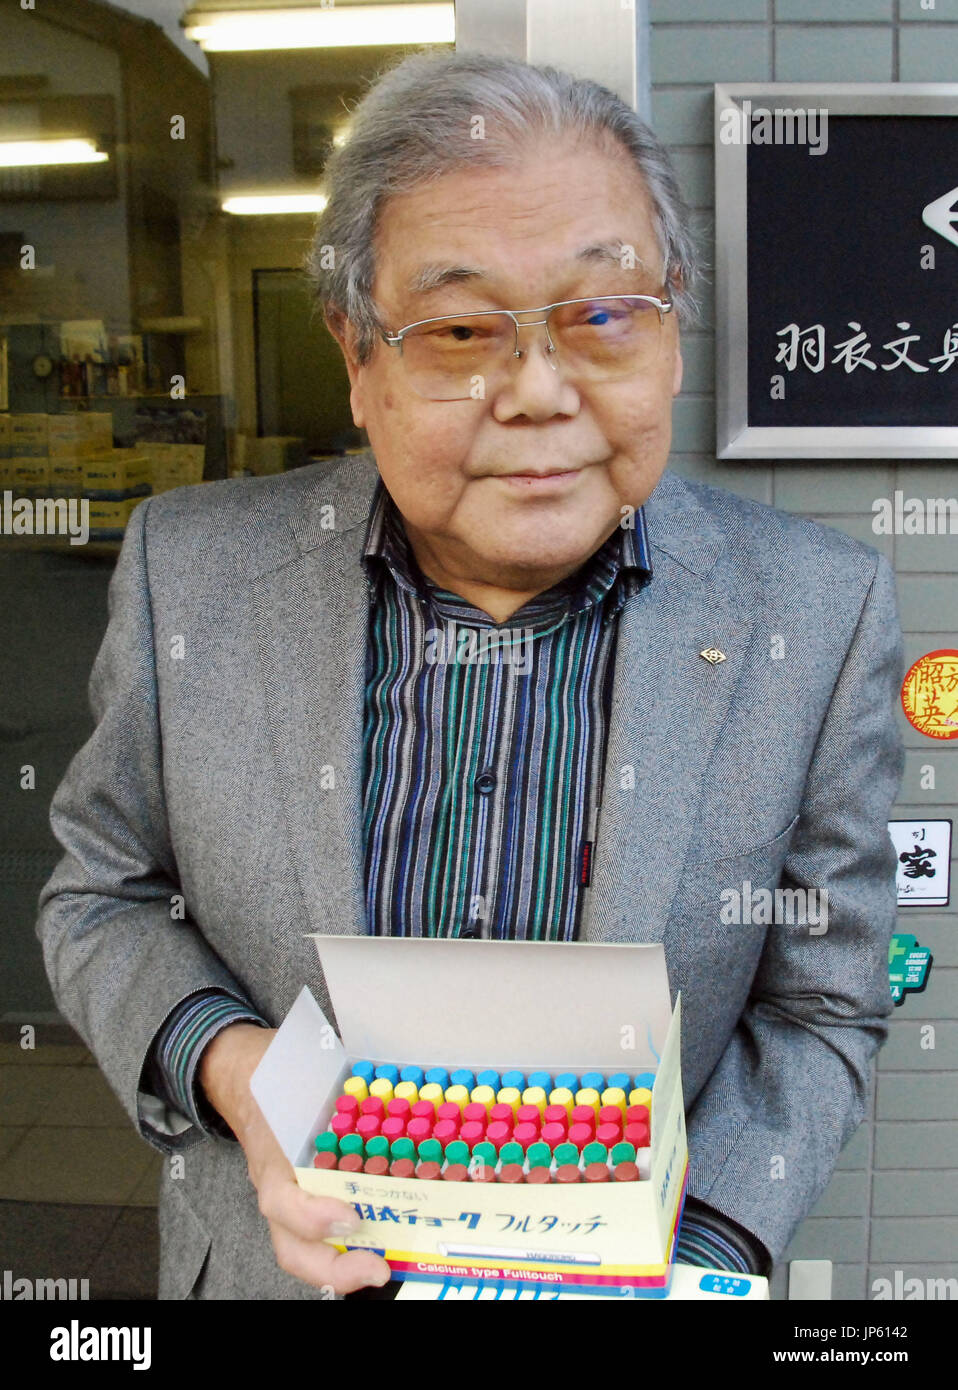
[(484, 745), (483, 754)]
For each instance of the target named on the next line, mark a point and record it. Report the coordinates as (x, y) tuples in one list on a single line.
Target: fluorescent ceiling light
[(245, 31), (32, 153), (280, 202)]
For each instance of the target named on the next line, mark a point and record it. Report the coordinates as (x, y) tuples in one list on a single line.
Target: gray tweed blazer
[(232, 672)]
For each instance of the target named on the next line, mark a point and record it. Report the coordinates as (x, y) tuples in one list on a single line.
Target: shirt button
[(485, 782)]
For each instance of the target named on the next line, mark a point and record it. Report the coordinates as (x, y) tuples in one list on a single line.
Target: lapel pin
[(713, 655)]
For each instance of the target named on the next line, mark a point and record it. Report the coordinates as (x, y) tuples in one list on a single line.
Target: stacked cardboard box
[(43, 454), (29, 460), (114, 481), (173, 465)]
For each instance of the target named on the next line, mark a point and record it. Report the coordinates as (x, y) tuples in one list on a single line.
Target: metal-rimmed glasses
[(468, 356)]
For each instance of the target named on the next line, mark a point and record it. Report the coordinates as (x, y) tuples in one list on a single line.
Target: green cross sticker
[(908, 966)]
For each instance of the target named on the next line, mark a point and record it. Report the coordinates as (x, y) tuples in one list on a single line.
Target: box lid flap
[(453, 1002), (290, 1094)]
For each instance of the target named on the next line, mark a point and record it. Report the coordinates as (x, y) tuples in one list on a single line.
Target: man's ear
[(345, 335)]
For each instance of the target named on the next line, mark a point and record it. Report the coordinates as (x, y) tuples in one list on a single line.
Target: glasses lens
[(604, 339), (453, 359)]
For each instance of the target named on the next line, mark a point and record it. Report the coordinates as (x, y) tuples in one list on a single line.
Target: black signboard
[(837, 252)]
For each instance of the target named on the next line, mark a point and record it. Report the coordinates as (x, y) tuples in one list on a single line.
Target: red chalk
[(499, 1133), (445, 1131), (419, 1129), (525, 1134), (637, 1135)]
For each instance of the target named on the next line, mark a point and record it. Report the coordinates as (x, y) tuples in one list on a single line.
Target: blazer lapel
[(668, 704), (311, 620)]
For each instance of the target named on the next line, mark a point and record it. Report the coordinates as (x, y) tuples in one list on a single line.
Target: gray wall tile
[(907, 1193), (841, 1239), (848, 1283), (903, 1050), (683, 115), (841, 486), (908, 1097), (894, 1239), (834, 9), (912, 10), (945, 764), (715, 11), (917, 1144), (698, 364), (693, 425), (828, 53), (929, 603), (845, 1195), (927, 553), (739, 53), (928, 53), (695, 170)]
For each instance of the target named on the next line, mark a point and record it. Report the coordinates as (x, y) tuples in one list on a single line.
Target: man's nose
[(536, 385)]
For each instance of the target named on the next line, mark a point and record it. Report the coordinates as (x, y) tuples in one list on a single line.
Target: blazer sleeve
[(118, 961), (796, 1073)]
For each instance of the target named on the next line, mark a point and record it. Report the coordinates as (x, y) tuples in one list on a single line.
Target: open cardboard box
[(555, 1006)]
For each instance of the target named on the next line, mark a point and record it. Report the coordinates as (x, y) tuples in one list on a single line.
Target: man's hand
[(298, 1220)]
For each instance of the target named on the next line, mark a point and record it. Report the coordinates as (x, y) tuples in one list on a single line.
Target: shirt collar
[(618, 568)]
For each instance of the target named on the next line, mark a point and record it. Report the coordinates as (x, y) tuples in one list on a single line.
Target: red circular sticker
[(929, 694)]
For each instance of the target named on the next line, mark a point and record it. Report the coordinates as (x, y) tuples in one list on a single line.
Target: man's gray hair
[(417, 122)]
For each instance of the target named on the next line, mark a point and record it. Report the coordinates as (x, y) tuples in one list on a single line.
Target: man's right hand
[(298, 1221)]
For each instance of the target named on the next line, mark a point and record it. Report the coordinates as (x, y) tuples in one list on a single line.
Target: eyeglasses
[(461, 357)]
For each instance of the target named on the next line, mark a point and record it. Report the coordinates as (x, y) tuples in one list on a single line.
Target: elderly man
[(702, 704)]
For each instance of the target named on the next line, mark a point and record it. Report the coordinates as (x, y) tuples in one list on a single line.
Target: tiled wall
[(893, 1202)]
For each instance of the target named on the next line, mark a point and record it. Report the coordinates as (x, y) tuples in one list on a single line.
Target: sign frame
[(736, 438)]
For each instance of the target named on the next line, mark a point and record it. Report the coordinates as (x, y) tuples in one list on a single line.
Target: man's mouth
[(538, 479)]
